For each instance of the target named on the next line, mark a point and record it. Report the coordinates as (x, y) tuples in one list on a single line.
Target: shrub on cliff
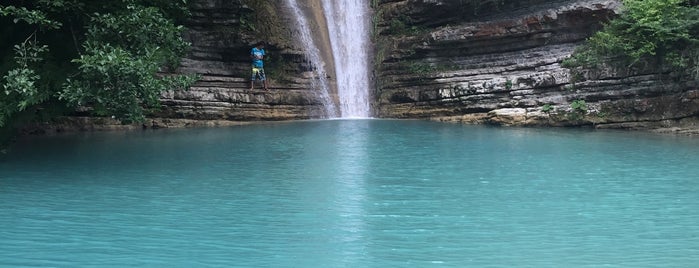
[(664, 32), (106, 55)]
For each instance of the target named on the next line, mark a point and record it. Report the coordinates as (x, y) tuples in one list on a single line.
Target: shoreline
[(688, 127)]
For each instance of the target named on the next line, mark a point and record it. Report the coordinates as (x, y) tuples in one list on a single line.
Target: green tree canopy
[(105, 55), (664, 32)]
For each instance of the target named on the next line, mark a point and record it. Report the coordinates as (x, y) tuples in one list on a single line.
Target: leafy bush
[(579, 106), (123, 54), (21, 84), (547, 108), (647, 31), (104, 54), (578, 110)]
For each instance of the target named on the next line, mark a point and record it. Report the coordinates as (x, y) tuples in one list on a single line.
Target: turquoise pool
[(351, 193)]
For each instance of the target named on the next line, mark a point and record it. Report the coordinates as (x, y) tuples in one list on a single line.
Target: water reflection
[(351, 193), (350, 186)]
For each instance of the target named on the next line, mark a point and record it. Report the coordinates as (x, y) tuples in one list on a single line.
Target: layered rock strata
[(493, 62), (504, 67), (222, 34)]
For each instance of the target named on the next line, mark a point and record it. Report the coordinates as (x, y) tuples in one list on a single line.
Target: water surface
[(351, 193)]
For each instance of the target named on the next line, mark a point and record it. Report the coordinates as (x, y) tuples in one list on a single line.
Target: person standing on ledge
[(257, 54)]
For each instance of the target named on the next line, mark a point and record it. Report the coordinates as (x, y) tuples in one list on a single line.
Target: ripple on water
[(358, 193)]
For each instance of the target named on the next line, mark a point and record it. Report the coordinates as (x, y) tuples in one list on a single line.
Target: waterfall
[(348, 26), (342, 28), (320, 81)]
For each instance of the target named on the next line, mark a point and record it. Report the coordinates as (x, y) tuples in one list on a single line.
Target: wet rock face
[(491, 61), (503, 66), (222, 34)]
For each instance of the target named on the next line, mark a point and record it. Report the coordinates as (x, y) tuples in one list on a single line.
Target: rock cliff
[(222, 34), (494, 62), (500, 63)]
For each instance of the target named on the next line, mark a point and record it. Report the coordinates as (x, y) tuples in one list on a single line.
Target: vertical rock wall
[(496, 62), (499, 62), (222, 34)]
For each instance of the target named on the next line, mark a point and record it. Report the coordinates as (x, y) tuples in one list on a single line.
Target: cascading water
[(313, 56), (346, 22), (349, 38)]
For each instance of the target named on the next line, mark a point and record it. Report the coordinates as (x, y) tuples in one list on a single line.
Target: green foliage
[(648, 31), (579, 106), (508, 84), (579, 109), (112, 62), (375, 20), (404, 25), (118, 83), (33, 17), (424, 68), (247, 22), (20, 88), (602, 115), (397, 26), (276, 66), (421, 68), (547, 108), (139, 30)]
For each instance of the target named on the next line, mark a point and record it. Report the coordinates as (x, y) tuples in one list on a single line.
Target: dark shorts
[(258, 72)]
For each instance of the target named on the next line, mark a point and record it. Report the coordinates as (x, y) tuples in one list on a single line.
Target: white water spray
[(348, 26), (320, 81)]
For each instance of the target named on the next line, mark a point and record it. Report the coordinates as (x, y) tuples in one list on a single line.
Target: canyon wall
[(222, 34), (499, 62), (490, 62)]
